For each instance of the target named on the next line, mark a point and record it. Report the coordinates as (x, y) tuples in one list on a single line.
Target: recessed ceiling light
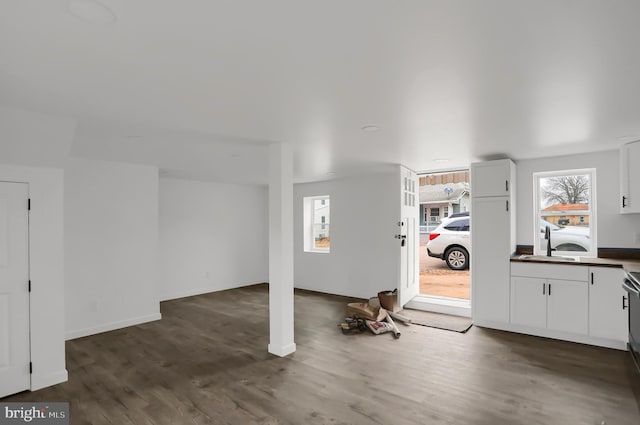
[(441, 160), (370, 128), (92, 11)]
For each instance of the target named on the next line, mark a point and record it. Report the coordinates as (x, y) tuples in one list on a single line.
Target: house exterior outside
[(568, 214), (439, 201), (321, 219)]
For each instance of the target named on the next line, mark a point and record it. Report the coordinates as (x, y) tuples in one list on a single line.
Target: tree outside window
[(565, 202)]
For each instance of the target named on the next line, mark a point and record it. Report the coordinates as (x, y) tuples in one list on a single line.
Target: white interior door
[(409, 236), (14, 289)]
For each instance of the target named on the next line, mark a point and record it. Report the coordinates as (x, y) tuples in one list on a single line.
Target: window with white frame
[(434, 215), (317, 223), (565, 202)]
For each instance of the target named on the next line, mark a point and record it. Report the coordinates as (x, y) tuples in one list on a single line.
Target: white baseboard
[(338, 293), (189, 293), (548, 333), (200, 291), (282, 351), (38, 382), (112, 326)]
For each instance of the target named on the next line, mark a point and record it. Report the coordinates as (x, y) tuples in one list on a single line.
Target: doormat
[(438, 320)]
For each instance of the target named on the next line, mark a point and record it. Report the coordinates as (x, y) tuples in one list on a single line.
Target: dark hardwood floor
[(206, 362)]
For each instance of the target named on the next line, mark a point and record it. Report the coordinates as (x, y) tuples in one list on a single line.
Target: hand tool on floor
[(400, 318), (394, 328)]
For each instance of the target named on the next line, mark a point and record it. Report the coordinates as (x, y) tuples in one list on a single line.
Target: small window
[(434, 215), (317, 223), (565, 203), (445, 211)]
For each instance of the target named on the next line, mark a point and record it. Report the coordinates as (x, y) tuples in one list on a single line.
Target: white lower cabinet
[(528, 301), (608, 314), (568, 306), (560, 305), (574, 302)]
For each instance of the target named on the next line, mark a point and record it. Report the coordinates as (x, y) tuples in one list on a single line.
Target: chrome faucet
[(547, 236)]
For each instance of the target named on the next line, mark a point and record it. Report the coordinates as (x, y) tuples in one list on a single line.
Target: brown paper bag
[(366, 311), (389, 301)]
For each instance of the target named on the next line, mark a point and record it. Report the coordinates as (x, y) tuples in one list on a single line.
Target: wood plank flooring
[(206, 362)]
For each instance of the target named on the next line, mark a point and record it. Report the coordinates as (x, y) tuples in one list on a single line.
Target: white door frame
[(46, 270), (17, 373)]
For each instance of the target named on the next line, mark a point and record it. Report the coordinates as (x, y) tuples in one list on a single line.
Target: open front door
[(408, 234)]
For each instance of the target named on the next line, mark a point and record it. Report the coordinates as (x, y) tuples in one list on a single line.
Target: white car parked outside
[(567, 238), (450, 241)]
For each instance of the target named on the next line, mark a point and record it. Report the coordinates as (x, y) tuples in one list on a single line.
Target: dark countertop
[(627, 265)]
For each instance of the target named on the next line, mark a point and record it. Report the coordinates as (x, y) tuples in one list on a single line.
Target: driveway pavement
[(437, 279)]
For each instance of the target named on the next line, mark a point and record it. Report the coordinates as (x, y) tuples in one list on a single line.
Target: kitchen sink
[(546, 258)]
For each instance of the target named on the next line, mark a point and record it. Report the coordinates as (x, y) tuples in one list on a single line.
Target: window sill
[(568, 254), (318, 251)]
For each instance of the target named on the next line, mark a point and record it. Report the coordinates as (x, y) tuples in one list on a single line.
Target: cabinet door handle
[(624, 306), (624, 202), (506, 185), (592, 278), (549, 289), (507, 205), (543, 289)]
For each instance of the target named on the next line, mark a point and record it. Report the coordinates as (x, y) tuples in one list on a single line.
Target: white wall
[(46, 260), (213, 236), (615, 230), (34, 139), (364, 254), (111, 240)]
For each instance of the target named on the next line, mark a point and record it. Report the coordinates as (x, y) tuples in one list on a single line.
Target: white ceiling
[(207, 84)]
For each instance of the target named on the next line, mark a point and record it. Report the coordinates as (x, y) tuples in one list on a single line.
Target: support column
[(281, 250)]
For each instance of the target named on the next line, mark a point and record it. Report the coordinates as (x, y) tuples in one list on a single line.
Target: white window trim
[(308, 222), (593, 231)]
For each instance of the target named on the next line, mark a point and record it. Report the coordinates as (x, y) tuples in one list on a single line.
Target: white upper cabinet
[(630, 178), (492, 178)]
